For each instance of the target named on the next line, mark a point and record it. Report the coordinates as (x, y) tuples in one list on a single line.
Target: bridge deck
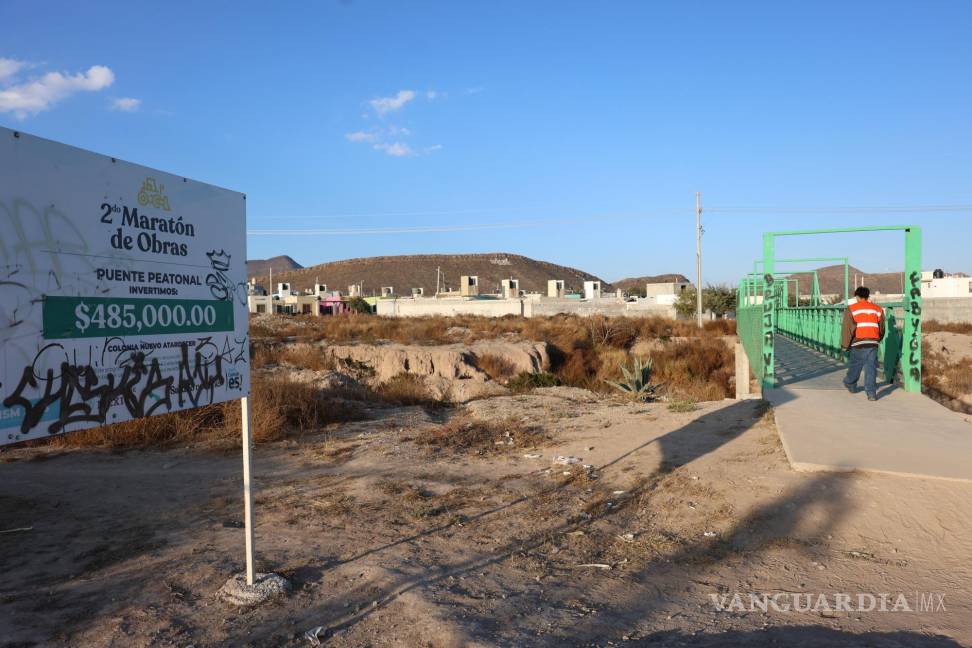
[(823, 427)]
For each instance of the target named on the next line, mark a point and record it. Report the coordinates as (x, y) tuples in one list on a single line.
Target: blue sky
[(594, 123)]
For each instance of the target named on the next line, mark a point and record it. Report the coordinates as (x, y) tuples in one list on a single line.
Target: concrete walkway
[(823, 427)]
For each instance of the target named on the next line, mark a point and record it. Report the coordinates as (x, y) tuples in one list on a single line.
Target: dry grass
[(468, 435), (945, 377), (934, 326), (699, 370), (278, 408), (406, 389), (619, 332), (682, 405), (693, 370), (263, 354), (525, 382), (414, 501), (584, 351), (307, 356), (498, 368)]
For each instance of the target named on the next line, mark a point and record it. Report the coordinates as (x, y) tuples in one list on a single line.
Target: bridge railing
[(819, 327), (763, 309), (749, 328), (755, 303)]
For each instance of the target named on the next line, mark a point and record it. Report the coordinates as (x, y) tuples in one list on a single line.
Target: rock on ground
[(264, 588), (452, 371), (452, 361)]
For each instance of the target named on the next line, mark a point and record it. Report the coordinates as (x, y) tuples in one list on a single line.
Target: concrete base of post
[(264, 588), (743, 390)]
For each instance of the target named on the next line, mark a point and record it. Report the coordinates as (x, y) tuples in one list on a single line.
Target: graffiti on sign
[(119, 298)]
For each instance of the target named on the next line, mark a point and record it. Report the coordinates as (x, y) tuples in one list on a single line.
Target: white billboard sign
[(122, 290)]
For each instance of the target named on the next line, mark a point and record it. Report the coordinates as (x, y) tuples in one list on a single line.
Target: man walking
[(861, 332)]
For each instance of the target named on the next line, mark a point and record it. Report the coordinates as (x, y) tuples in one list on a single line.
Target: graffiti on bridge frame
[(769, 303), (914, 313)]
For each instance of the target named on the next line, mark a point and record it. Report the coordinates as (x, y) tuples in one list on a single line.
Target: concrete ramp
[(823, 427)]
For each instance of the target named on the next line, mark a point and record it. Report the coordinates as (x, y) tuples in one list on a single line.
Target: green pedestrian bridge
[(792, 339)]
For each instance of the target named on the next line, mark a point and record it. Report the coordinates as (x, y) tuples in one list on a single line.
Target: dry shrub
[(719, 327), (682, 405), (416, 501), (278, 408), (498, 368), (582, 349), (258, 330), (264, 353), (465, 434), (186, 426), (610, 362), (951, 378), (306, 356), (598, 330), (610, 331), (699, 370), (526, 382), (663, 328), (281, 407), (933, 326), (405, 389)]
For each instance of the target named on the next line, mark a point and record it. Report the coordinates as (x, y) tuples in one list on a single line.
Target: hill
[(637, 284), (832, 280), (419, 271), (257, 267)]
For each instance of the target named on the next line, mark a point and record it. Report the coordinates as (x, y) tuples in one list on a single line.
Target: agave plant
[(637, 380)]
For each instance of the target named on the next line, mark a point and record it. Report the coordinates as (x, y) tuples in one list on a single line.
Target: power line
[(450, 212), (427, 229), (843, 210)]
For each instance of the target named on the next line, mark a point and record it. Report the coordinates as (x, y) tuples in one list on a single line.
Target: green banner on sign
[(83, 317)]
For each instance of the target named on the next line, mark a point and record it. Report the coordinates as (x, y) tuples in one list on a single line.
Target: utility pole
[(437, 281), (698, 258)]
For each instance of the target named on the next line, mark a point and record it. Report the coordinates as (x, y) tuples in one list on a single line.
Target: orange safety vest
[(867, 318)]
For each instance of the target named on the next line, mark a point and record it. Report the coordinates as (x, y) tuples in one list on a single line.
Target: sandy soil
[(953, 346), (952, 349), (392, 543)]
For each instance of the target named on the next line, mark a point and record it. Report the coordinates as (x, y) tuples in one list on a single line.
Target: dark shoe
[(872, 397), (851, 388)]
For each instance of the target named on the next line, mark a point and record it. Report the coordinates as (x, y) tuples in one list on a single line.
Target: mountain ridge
[(406, 272), (280, 263)]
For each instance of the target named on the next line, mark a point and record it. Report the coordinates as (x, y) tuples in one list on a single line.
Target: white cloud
[(384, 105), (361, 136), (388, 137), (475, 90), (10, 67), (37, 95), (396, 149), (126, 104)]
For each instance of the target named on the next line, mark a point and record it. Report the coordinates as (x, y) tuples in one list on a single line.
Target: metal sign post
[(247, 487)]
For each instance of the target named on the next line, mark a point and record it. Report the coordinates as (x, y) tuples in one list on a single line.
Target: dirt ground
[(954, 346), (391, 541)]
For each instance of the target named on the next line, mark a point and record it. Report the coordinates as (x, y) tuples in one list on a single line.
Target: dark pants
[(865, 358)]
